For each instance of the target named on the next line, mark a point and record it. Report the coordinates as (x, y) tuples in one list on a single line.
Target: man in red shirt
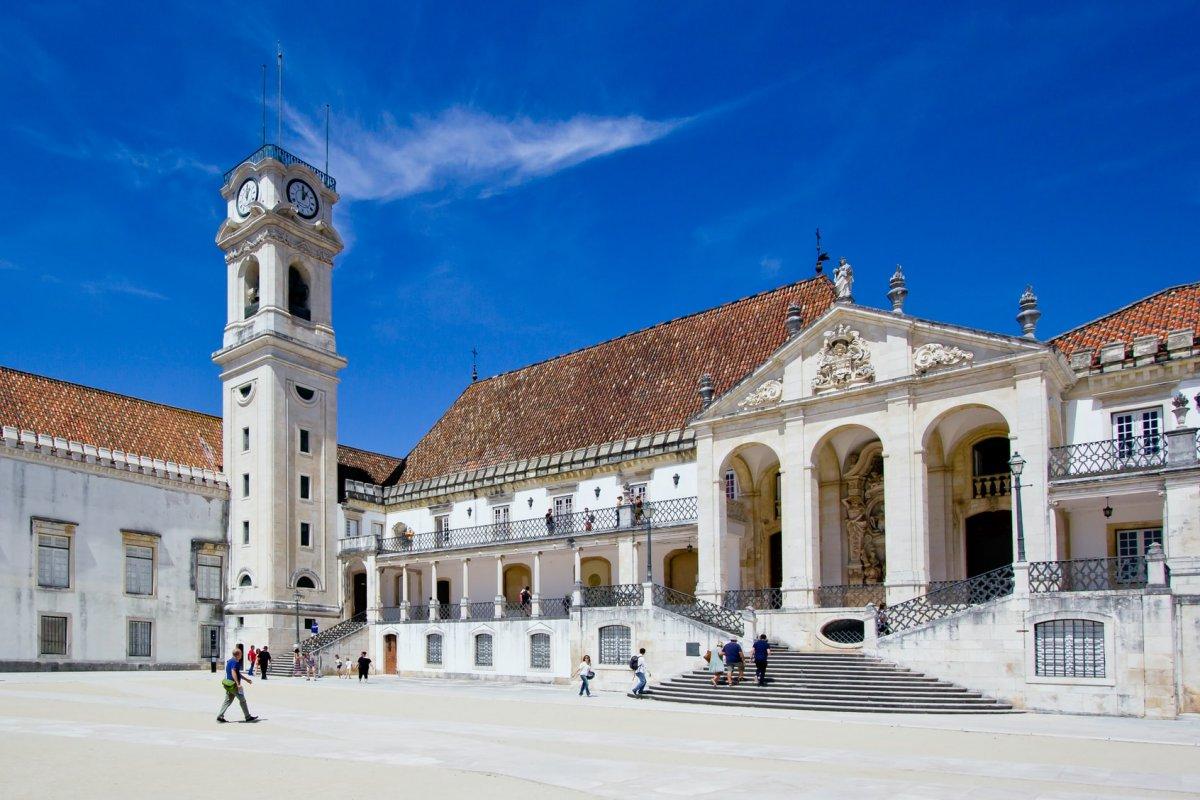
[(252, 657)]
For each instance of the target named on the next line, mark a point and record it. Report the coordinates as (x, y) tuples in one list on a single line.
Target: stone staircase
[(281, 663), (830, 682)]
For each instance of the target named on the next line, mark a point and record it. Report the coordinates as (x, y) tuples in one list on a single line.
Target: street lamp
[(296, 596), (1017, 465), (647, 512)]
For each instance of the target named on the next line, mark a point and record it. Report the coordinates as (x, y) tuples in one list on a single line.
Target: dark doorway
[(775, 545), (443, 591), (989, 541), (360, 593)]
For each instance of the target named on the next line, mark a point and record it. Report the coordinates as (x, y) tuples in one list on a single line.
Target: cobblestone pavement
[(133, 735)]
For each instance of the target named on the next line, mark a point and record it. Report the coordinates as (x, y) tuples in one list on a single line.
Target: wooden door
[(389, 654)]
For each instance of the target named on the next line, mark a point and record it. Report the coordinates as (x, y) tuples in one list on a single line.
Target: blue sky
[(532, 178)]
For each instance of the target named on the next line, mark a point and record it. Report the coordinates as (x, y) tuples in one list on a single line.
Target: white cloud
[(162, 162), (465, 147), (7, 266), (117, 285), (771, 265)]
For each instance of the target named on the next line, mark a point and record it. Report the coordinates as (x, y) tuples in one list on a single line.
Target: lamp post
[(1017, 465), (296, 596), (647, 512)]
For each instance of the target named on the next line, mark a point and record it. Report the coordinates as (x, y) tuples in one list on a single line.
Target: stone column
[(434, 610), (374, 599), (1181, 520), (499, 587), (905, 495), (404, 593), (801, 542), (626, 560), (464, 605), (536, 610), (1031, 438), (577, 592), (710, 521)]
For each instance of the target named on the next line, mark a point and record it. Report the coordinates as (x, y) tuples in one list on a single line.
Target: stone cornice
[(241, 242), (56, 451)]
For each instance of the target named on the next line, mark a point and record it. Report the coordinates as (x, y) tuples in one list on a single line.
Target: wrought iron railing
[(850, 595), (556, 608), (418, 613), (621, 594), (685, 605), (449, 611), (661, 513), (1108, 457), (284, 157), (485, 610), (944, 602), (334, 634), (515, 610), (358, 544), (758, 599), (389, 614), (1087, 574), (997, 485)]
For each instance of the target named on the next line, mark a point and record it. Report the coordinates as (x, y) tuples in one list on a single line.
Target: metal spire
[(474, 365), (279, 122), (822, 256)]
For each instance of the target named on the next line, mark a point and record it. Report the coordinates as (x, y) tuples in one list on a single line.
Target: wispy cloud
[(463, 147), (117, 285), (8, 266), (147, 161), (161, 162), (771, 265)]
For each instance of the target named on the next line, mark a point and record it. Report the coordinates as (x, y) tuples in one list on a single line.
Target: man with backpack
[(638, 665), (734, 659)]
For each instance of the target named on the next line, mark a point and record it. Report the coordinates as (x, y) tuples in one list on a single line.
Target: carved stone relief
[(864, 519), (928, 356), (767, 394), (844, 361)]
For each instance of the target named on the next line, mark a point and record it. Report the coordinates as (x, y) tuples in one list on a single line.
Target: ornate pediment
[(844, 361), (929, 356), (768, 393)]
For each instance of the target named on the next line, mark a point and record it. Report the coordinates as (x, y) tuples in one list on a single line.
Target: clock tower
[(279, 367)]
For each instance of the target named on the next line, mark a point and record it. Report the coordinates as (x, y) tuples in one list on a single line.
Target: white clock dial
[(247, 194), (302, 196)]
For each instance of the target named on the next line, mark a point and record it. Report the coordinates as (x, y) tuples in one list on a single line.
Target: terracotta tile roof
[(641, 383), (119, 422), (1170, 309), (363, 465)]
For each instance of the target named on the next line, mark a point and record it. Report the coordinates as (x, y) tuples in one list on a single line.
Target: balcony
[(998, 485), (660, 514), (287, 159), (1108, 457)]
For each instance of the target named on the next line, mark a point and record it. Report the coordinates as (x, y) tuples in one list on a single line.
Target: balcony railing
[(850, 595), (621, 594), (946, 601), (1108, 457), (661, 513), (1087, 575), (998, 485), (358, 544), (694, 608), (757, 599), (284, 157)]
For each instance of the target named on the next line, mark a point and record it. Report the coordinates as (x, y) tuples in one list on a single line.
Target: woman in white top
[(585, 675), (716, 665)]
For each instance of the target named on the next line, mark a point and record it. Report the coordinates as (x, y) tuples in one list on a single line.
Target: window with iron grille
[(483, 650), (614, 644), (539, 651), (139, 569), (139, 643), (54, 561), (210, 641), (208, 577), (731, 485), (52, 638), (1069, 648), (1132, 545), (433, 648)]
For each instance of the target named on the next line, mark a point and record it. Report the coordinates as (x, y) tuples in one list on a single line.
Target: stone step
[(758, 692), (855, 688), (863, 707)]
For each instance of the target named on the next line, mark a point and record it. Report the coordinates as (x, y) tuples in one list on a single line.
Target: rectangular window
[(500, 514), (245, 484), (539, 651), (564, 505), (637, 492), (778, 494), (1132, 546), (140, 638), (52, 636), (304, 441), (377, 529), (245, 531), (54, 561), (731, 485), (245, 439), (305, 535), (208, 577), (1138, 433), (615, 644), (1069, 648), (305, 487), (433, 649), (441, 523), (483, 650), (139, 569), (210, 641), (352, 527)]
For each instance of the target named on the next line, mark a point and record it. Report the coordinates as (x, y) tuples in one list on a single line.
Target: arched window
[(614, 644), (539, 651), (433, 649), (249, 289), (298, 294), (305, 582), (1069, 648), (483, 650), (245, 581)]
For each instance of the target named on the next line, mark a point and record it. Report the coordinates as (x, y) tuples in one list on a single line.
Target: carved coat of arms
[(769, 392), (844, 361)]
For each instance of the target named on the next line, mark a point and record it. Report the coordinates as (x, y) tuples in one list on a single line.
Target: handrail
[(284, 157), (333, 635), (699, 610), (1087, 574), (850, 595), (1108, 456), (944, 602)]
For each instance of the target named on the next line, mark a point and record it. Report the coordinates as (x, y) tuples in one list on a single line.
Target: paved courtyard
[(134, 735)]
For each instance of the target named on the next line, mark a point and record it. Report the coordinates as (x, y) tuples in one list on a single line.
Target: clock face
[(302, 196), (246, 195)]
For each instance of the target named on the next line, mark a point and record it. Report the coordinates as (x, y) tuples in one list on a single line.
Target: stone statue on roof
[(843, 280)]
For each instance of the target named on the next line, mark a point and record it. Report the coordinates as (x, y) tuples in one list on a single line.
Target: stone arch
[(306, 576), (299, 283), (756, 515), (245, 579), (680, 568), (248, 281), (516, 578), (595, 571)]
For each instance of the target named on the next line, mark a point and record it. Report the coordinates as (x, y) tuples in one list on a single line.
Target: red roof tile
[(641, 383), (119, 422), (1170, 309)]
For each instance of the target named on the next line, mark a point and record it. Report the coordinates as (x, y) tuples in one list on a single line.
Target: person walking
[(310, 667), (251, 656), (233, 687), (297, 662), (716, 664), (734, 659), (761, 651), (550, 521), (640, 672), (364, 667), (264, 661), (527, 601), (585, 675)]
